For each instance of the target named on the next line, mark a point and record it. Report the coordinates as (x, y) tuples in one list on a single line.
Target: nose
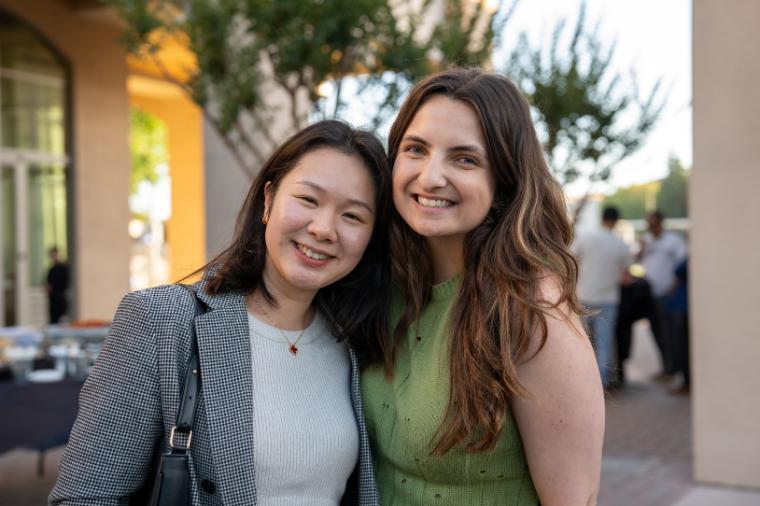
[(322, 226), (432, 174)]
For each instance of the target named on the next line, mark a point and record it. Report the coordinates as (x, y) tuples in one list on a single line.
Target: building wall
[(186, 229), (226, 188), (725, 242), (100, 253)]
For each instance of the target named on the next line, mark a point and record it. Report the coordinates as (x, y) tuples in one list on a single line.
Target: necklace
[(292, 345)]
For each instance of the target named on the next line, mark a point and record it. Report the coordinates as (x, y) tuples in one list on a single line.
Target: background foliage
[(668, 195), (589, 120), (260, 63)]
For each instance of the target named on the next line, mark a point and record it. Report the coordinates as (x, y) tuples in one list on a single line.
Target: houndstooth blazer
[(129, 403)]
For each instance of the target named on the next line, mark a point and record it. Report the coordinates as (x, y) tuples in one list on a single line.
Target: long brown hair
[(524, 239), (351, 314)]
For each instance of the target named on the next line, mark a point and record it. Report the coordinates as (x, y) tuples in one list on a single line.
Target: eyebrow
[(317, 187), (462, 147)]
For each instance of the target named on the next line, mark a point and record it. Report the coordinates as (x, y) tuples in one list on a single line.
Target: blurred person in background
[(678, 305), (279, 418), (488, 392), (635, 304), (57, 285), (603, 262), (661, 252)]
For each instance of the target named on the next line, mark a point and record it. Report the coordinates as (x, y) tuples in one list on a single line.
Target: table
[(38, 416)]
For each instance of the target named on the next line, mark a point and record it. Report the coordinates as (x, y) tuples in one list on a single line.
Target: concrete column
[(725, 242)]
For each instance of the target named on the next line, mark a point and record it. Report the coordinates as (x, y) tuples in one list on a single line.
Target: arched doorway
[(33, 169)]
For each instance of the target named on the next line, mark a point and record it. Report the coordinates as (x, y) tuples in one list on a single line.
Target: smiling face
[(319, 222), (443, 186)]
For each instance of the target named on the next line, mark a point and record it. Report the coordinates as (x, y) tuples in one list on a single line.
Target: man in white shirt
[(661, 252), (603, 261)]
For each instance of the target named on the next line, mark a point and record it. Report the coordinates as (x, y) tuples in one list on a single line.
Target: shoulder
[(674, 238), (564, 331), (566, 351), (163, 294), (552, 293), (162, 303), (622, 246), (166, 297), (580, 240)]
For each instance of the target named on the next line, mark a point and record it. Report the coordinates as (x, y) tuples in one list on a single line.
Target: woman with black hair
[(279, 419)]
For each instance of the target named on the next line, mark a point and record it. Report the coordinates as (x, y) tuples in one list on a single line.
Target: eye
[(354, 217), (414, 149), (307, 198), (467, 160)]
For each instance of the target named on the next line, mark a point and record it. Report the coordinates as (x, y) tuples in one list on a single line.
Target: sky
[(653, 38)]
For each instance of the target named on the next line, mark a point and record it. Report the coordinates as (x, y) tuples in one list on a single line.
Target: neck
[(447, 255), (292, 311)]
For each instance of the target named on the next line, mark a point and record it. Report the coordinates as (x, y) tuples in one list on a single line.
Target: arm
[(680, 249), (119, 422), (562, 426), (626, 259)]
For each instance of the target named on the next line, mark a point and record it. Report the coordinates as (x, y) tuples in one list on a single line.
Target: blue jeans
[(601, 327)]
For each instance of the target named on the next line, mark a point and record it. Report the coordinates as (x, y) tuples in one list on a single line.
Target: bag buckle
[(171, 439)]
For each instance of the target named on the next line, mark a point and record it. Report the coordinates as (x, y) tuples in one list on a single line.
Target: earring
[(265, 219)]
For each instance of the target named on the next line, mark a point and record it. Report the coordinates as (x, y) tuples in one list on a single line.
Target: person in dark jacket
[(57, 285)]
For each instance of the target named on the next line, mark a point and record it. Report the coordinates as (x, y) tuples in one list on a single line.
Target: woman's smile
[(433, 202), (312, 256)]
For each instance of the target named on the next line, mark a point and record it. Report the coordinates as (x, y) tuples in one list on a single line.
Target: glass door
[(33, 169), (32, 221)]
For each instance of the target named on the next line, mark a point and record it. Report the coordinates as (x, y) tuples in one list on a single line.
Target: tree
[(672, 200), (147, 144), (251, 50), (668, 195), (587, 123), (634, 202)]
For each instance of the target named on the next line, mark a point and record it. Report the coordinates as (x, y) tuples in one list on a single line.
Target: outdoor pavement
[(647, 442), (647, 449)]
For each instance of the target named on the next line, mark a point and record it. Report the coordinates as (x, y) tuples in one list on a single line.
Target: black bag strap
[(192, 385)]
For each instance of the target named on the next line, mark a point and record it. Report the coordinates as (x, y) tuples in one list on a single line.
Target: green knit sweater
[(403, 415)]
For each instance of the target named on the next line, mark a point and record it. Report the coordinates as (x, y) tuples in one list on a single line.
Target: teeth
[(311, 253), (433, 202)]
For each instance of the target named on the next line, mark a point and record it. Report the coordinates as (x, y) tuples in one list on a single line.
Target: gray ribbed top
[(306, 441)]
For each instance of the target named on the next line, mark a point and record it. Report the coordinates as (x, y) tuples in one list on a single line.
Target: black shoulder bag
[(170, 484)]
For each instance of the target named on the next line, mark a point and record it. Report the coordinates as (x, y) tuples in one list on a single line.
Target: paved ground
[(647, 453), (647, 445)]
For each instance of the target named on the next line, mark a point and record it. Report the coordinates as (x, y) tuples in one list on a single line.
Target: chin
[(313, 283), (428, 229)]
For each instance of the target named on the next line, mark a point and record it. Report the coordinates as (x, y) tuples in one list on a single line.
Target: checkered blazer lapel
[(224, 348), (367, 494)]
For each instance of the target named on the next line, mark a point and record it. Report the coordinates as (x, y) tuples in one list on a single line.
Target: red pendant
[(293, 349)]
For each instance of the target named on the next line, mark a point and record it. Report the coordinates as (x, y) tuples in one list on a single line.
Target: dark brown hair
[(523, 240), (345, 304)]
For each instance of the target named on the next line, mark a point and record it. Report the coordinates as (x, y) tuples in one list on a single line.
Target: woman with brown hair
[(278, 419), (487, 391)]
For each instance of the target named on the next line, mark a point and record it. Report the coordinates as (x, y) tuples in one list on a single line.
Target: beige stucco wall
[(186, 229), (725, 248), (100, 148)]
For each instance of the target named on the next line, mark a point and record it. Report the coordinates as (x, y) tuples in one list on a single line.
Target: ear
[(268, 196)]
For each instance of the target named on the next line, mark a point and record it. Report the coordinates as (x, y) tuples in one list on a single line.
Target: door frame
[(20, 162)]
